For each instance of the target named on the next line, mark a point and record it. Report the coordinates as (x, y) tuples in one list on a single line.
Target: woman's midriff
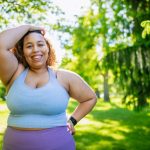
[(27, 129)]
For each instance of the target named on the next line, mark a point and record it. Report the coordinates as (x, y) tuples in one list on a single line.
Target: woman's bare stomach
[(27, 129)]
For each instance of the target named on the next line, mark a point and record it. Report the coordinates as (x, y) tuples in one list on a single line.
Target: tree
[(131, 62), (146, 26), (113, 28), (27, 11)]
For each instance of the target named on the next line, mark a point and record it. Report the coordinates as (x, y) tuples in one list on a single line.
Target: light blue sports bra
[(43, 107)]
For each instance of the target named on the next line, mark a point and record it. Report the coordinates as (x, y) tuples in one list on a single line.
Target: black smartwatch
[(73, 120)]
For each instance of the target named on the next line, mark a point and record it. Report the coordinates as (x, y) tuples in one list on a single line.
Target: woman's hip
[(57, 138)]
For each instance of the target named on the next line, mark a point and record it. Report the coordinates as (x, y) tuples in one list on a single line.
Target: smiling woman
[(38, 93), (35, 42)]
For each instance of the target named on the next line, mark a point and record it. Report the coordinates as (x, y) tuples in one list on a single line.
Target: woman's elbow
[(95, 100)]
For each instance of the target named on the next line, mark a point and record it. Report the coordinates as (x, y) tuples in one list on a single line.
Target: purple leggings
[(57, 138)]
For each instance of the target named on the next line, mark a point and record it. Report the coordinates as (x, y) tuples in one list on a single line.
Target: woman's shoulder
[(68, 75), (65, 72)]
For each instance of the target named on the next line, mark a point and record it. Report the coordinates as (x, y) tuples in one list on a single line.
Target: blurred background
[(107, 42)]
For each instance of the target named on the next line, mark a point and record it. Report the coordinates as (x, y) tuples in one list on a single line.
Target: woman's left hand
[(70, 127)]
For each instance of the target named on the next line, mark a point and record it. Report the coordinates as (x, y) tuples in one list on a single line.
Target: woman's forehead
[(34, 37)]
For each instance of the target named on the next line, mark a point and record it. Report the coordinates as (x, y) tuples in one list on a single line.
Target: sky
[(72, 7)]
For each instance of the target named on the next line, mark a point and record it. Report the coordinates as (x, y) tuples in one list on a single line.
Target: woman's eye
[(41, 45), (29, 46)]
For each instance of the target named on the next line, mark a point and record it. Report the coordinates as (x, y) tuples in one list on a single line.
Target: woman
[(38, 94)]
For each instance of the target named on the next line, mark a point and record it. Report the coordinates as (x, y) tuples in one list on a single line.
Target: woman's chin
[(37, 65)]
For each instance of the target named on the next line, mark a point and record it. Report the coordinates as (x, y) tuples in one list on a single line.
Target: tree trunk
[(106, 88), (142, 102)]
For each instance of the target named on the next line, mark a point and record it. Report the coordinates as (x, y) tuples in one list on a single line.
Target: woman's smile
[(37, 57)]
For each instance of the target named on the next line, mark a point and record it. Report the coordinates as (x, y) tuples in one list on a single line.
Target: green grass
[(3, 120), (108, 127)]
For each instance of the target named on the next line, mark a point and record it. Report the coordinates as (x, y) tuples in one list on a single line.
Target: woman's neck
[(38, 70)]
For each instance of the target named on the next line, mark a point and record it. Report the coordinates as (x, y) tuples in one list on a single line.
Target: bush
[(2, 91)]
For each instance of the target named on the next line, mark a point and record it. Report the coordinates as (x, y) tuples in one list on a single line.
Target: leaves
[(108, 38), (26, 11), (146, 26)]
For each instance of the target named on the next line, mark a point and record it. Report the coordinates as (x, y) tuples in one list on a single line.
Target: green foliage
[(82, 48), (146, 26), (108, 38), (26, 11), (2, 91), (131, 62), (131, 68)]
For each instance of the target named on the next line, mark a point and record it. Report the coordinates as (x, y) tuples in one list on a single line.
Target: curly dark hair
[(18, 51)]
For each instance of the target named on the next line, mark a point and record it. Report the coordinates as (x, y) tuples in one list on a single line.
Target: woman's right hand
[(32, 28), (70, 127)]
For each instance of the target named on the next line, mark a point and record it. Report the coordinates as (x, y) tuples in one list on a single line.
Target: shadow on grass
[(122, 116), (113, 128), (94, 141)]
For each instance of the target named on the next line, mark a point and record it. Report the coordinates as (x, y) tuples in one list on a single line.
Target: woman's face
[(35, 50)]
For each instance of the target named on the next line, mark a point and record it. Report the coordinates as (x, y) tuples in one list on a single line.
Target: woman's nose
[(35, 48)]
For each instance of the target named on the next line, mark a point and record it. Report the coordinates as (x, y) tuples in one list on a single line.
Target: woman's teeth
[(37, 57)]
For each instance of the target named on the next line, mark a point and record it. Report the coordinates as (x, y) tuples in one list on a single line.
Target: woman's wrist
[(33, 28), (26, 27), (73, 120)]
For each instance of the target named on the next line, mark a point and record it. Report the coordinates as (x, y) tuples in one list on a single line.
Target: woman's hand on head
[(42, 29)]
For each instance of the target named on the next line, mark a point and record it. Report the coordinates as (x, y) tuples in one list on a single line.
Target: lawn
[(108, 127)]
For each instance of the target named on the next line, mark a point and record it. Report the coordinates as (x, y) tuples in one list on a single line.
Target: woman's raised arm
[(8, 61)]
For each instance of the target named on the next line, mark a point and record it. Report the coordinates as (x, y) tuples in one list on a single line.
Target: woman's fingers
[(43, 32), (42, 29), (71, 128)]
